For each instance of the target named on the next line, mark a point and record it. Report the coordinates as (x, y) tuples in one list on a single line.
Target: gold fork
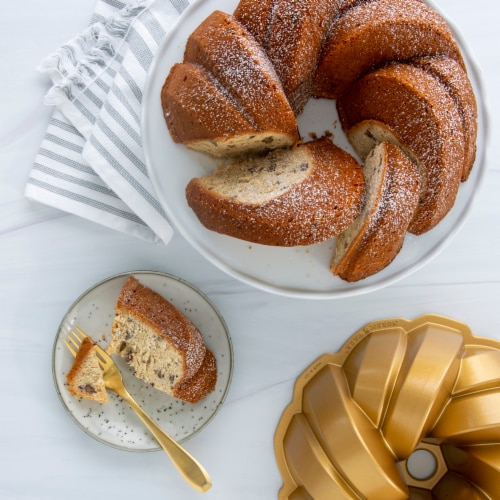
[(191, 470)]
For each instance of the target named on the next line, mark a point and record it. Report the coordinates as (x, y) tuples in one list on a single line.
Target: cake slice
[(85, 376), (290, 197), (372, 242), (406, 102), (164, 348)]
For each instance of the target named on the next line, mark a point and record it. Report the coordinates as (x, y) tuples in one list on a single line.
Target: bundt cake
[(358, 416), (208, 102), (292, 34), (416, 108), (163, 346), (394, 67), (377, 32), (289, 197), (392, 193), (85, 376)]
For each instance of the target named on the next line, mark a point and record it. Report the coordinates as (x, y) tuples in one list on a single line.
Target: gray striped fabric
[(91, 162)]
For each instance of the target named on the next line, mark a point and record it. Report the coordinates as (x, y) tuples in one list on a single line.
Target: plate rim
[(168, 276), (358, 288)]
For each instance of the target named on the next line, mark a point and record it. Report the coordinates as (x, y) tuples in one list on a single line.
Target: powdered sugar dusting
[(375, 33), (375, 238), (237, 61), (455, 79), (422, 111), (297, 33)]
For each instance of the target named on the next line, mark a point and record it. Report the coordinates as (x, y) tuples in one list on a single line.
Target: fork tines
[(75, 339)]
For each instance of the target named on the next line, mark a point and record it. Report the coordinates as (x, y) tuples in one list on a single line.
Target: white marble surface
[(47, 258)]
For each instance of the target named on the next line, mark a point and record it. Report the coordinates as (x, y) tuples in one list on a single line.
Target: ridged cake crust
[(288, 198), (184, 96), (202, 382), (392, 193), (292, 33), (256, 17), (377, 32), (418, 110), (453, 76)]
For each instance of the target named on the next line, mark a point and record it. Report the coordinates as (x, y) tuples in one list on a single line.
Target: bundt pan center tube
[(405, 409)]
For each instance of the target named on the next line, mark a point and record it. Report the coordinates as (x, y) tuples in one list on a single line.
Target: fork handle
[(188, 466)]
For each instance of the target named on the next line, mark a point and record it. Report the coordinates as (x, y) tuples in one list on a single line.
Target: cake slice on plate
[(164, 348)]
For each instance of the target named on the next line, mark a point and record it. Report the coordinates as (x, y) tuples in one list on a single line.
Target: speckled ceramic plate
[(301, 272), (114, 423)]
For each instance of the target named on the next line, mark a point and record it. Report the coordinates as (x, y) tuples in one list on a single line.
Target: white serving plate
[(299, 271)]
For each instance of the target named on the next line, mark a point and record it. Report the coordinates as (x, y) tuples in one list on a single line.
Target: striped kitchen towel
[(90, 162)]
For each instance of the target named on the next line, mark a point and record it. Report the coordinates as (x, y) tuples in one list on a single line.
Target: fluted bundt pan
[(362, 419)]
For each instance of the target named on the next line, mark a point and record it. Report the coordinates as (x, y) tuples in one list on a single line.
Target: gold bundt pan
[(357, 417)]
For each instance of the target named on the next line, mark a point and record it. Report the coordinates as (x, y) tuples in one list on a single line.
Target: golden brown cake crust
[(203, 381), (318, 208), (380, 237), (160, 314), (227, 50), (377, 32), (457, 83), (184, 99), (418, 110), (292, 34), (351, 4), (256, 17)]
